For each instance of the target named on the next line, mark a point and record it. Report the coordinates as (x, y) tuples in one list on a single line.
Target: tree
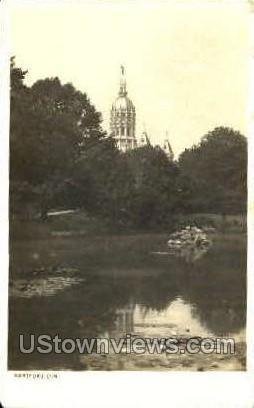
[(214, 173), (17, 77), (102, 182), (136, 188), (48, 126), (155, 194)]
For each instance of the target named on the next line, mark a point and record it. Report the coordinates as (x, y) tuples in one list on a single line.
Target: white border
[(4, 185), (117, 389)]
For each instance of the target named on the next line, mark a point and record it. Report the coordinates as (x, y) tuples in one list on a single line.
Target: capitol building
[(123, 118), (123, 123)]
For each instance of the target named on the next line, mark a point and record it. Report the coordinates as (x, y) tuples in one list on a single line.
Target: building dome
[(123, 103)]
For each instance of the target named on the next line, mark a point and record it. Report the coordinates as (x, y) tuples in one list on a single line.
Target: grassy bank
[(41, 249), (79, 224)]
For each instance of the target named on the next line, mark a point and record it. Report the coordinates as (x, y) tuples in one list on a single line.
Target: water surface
[(110, 286)]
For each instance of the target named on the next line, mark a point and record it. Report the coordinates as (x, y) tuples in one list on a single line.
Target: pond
[(110, 286)]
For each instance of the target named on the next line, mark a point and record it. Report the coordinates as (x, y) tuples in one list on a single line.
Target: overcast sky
[(186, 63)]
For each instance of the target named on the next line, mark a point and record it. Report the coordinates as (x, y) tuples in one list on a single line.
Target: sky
[(187, 63)]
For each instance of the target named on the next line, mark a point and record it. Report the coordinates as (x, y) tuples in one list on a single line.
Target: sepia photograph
[(128, 186)]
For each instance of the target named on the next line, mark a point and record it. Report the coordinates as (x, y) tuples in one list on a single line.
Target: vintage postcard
[(128, 129)]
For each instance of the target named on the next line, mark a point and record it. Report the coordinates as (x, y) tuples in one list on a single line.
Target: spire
[(144, 140), (167, 148), (123, 90), (147, 140)]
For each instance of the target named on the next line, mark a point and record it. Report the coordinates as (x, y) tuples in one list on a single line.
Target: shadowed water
[(113, 286)]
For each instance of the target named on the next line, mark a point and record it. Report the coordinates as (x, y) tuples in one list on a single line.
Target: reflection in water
[(177, 298), (124, 322), (178, 318), (175, 320)]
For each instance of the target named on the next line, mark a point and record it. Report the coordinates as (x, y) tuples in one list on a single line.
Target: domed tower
[(123, 118)]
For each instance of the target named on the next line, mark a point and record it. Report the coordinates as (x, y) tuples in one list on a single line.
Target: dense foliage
[(60, 157), (215, 172)]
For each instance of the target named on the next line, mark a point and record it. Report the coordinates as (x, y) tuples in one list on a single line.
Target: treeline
[(60, 157)]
